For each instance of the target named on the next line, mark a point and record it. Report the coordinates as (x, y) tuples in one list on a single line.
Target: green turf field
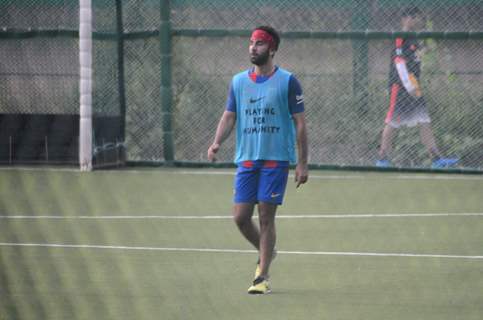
[(160, 244)]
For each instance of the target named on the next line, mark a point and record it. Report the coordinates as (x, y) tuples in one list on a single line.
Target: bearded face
[(260, 57)]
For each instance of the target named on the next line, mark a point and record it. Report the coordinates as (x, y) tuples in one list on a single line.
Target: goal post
[(101, 122), (85, 85)]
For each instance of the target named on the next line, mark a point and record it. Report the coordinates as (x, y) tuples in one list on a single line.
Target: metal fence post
[(166, 86), (120, 67)]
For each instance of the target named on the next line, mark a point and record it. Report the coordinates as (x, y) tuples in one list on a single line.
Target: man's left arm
[(301, 170), (297, 107)]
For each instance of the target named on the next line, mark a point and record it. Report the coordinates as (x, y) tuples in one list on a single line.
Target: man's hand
[(301, 174), (226, 124), (212, 150)]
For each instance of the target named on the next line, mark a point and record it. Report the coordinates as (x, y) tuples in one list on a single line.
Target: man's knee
[(243, 215), (242, 220), (266, 215)]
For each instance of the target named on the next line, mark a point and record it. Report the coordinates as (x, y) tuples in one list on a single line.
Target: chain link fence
[(338, 49), (345, 118)]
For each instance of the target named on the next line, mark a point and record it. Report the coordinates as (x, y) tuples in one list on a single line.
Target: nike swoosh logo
[(274, 195), (299, 99), (253, 100)]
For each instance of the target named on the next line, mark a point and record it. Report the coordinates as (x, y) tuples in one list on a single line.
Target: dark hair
[(411, 12), (271, 31)]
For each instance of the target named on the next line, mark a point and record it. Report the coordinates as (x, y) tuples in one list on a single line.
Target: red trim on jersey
[(248, 164), (270, 164), (263, 163), (392, 104), (253, 76), (399, 42), (398, 59)]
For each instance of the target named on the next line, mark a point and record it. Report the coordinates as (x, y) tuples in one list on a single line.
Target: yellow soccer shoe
[(260, 286)]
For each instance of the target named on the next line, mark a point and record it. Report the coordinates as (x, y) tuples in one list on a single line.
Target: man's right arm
[(225, 126)]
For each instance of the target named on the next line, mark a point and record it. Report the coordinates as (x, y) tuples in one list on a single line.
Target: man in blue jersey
[(407, 105), (265, 104)]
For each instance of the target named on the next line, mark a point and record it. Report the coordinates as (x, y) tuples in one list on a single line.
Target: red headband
[(261, 35)]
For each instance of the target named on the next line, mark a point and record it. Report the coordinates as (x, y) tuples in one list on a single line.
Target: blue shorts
[(259, 182)]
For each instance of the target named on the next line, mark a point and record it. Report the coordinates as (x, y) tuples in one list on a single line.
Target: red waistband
[(264, 164)]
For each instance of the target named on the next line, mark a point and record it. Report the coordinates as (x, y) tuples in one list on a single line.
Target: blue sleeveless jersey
[(264, 125)]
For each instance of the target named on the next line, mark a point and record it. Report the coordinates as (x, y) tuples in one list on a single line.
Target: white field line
[(224, 217), (211, 250), (231, 172), (368, 176), (40, 169)]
